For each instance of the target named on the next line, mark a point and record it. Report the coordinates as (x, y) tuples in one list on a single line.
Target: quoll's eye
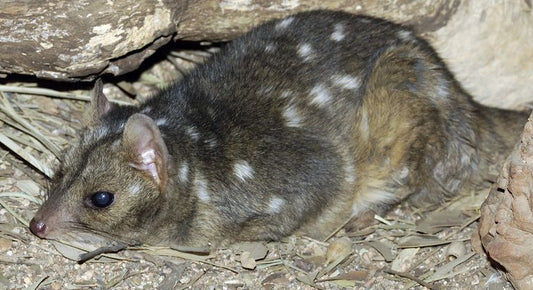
[(102, 199)]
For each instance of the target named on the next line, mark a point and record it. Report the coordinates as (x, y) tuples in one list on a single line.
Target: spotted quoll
[(293, 128)]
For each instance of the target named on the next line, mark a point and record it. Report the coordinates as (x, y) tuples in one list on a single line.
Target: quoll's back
[(295, 127)]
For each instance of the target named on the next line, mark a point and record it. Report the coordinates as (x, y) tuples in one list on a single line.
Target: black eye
[(102, 199)]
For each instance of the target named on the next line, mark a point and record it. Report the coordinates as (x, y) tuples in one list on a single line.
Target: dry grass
[(408, 248)]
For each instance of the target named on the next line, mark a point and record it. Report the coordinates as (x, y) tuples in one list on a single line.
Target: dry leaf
[(47, 105), (257, 250), (359, 275), (384, 249), (344, 283), (5, 244), (436, 221), (470, 201), (29, 186), (247, 261), (402, 261), (420, 241), (275, 279), (316, 260), (75, 244), (72, 252), (338, 248), (362, 233), (446, 270)]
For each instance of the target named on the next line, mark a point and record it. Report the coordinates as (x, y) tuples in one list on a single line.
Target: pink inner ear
[(147, 163), (145, 148)]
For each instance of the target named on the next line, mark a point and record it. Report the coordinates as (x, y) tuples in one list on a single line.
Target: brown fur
[(295, 127)]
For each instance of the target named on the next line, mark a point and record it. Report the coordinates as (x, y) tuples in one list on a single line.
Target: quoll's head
[(111, 184)]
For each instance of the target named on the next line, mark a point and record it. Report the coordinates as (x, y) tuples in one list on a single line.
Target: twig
[(193, 280), (9, 111), (337, 229), (195, 250), (382, 220), (38, 283), (21, 195), (422, 259), (52, 93), (102, 250), (218, 266), (27, 156), (410, 277), (14, 214)]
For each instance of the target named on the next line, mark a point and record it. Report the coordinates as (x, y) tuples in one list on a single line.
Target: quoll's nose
[(38, 228)]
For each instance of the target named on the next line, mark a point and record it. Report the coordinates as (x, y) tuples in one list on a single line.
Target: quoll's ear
[(100, 105), (145, 148)]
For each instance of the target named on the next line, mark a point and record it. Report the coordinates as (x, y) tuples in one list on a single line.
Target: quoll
[(293, 128)]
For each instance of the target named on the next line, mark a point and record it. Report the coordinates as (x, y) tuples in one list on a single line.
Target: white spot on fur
[(292, 117), (338, 32), (346, 81), (356, 209), (283, 24), (364, 126), (116, 144), (243, 170), (265, 90), (101, 132), (161, 122), (466, 160), (191, 131), (200, 185), (211, 143), (320, 95), (405, 35), (305, 51), (349, 172), (135, 188), (286, 94), (443, 91), (400, 176), (372, 196), (184, 172), (270, 47), (146, 110), (276, 205), (403, 173)]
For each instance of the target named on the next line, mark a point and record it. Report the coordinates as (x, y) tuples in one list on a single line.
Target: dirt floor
[(409, 248)]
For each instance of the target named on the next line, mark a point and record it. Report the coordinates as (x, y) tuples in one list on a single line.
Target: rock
[(488, 45), (506, 223)]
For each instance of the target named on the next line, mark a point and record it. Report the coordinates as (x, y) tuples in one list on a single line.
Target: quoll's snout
[(38, 228)]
